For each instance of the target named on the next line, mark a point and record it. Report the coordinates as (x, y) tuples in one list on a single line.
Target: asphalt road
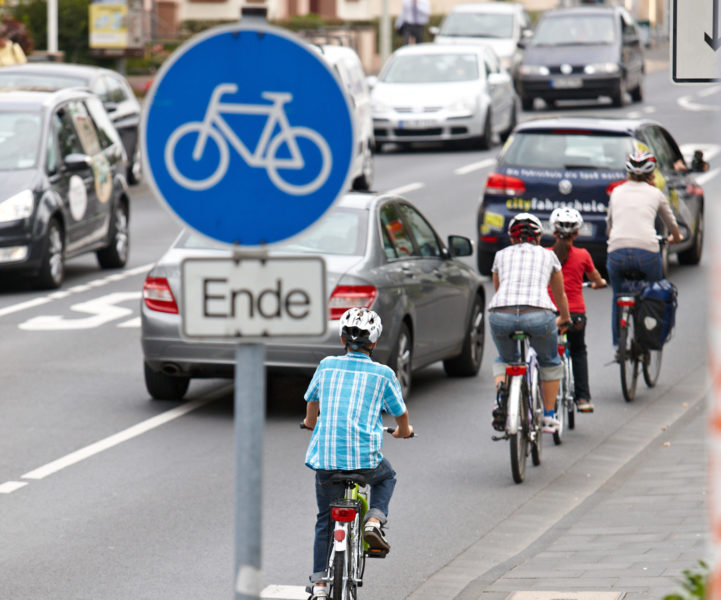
[(107, 494)]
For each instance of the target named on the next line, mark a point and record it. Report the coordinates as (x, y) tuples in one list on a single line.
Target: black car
[(111, 87), (582, 53), (63, 189), (576, 162)]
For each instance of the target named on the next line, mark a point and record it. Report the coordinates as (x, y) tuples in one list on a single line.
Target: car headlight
[(601, 68), (507, 62), (464, 105), (379, 107), (534, 70), (19, 206)]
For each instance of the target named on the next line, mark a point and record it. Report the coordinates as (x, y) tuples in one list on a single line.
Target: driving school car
[(576, 162)]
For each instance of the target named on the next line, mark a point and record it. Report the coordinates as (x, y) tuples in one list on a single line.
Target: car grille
[(423, 109), (417, 132), (557, 69)]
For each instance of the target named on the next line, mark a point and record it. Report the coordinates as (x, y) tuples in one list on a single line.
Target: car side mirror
[(497, 78), (459, 245), (434, 31), (77, 162), (371, 80), (110, 106), (698, 163)]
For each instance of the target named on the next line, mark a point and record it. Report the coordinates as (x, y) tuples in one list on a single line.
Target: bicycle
[(521, 394), (347, 550), (265, 153), (565, 402), (631, 352)]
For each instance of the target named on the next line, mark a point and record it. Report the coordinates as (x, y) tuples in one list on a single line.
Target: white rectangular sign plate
[(253, 297), (695, 41)]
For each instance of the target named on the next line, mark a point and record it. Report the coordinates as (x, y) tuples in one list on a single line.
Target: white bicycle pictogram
[(214, 127)]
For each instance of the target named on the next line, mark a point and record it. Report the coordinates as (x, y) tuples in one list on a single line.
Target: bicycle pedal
[(498, 438), (376, 553)]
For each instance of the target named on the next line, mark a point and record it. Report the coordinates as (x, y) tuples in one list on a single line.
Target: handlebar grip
[(392, 429), (302, 426)]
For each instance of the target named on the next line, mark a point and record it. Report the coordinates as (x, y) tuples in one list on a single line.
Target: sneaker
[(584, 406), (320, 592), (499, 418), (374, 537), (551, 424)]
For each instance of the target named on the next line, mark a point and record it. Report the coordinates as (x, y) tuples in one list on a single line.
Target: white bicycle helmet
[(524, 226), (360, 326), (640, 163), (566, 221)]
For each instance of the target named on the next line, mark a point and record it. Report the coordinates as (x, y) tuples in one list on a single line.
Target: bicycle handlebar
[(389, 430)]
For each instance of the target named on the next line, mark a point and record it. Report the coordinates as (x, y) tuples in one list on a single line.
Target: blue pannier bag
[(656, 313)]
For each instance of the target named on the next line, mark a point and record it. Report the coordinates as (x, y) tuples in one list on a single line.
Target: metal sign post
[(256, 150)]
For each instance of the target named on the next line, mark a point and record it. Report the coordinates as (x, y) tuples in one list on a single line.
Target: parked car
[(576, 162), (111, 87), (500, 25), (381, 253), (582, 53), (62, 184), (443, 93), (348, 66)]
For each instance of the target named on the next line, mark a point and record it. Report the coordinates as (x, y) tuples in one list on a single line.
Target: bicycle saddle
[(343, 477)]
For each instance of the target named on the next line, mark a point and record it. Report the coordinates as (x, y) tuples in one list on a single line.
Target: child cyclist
[(576, 263), (344, 402)]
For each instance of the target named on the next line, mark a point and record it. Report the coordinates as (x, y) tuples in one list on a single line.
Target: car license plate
[(585, 231), (567, 83), (416, 124)]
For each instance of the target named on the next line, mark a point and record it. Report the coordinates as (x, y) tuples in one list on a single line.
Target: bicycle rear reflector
[(339, 535), (345, 515), (561, 350), (626, 301), (515, 370)]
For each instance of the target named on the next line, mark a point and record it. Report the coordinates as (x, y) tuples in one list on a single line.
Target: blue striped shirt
[(352, 391)]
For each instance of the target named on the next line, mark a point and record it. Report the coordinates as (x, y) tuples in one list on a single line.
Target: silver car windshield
[(574, 30), (431, 68), (468, 24), (340, 232), (559, 150), (38, 81), (19, 140)]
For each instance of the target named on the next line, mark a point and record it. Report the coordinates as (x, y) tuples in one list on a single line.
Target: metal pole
[(249, 423), (385, 33), (52, 28)]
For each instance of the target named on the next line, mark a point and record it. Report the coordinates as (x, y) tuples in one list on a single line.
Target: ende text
[(220, 302)]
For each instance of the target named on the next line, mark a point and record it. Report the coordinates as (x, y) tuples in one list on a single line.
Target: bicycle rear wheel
[(570, 402), (561, 404), (339, 568), (651, 366), (519, 440), (535, 426), (628, 361)]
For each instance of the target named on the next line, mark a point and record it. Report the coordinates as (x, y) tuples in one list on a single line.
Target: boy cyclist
[(344, 402)]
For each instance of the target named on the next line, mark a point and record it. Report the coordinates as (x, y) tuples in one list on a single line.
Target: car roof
[(433, 48), (60, 69), (487, 7), (333, 51), (581, 10), (19, 99), (609, 124)]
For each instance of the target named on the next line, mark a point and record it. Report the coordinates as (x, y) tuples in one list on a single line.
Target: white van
[(348, 66)]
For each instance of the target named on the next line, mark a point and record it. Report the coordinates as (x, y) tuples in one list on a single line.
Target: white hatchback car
[(347, 65), (443, 93)]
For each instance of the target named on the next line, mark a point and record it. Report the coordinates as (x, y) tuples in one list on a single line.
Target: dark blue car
[(576, 162)]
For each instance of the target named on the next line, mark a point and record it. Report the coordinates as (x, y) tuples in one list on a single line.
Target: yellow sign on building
[(108, 24)]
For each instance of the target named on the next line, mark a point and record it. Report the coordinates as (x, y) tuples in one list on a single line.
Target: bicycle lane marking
[(111, 441), (8, 310), (285, 592)]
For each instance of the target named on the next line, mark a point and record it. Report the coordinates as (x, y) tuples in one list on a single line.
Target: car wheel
[(526, 103), (637, 93), (512, 123), (486, 140), (618, 97), (484, 260), (135, 169), (115, 254), (692, 256), (364, 181), (52, 269), (165, 387), (401, 360), (468, 362), (378, 147)]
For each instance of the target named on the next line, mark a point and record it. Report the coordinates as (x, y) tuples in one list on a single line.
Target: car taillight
[(498, 183), (345, 515), (561, 350), (349, 296), (513, 370), (489, 239), (694, 190), (614, 184), (158, 296)]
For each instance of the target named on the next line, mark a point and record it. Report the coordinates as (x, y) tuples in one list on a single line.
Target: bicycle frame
[(515, 374), (276, 116)]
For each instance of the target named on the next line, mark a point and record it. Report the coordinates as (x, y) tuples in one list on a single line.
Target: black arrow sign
[(715, 41)]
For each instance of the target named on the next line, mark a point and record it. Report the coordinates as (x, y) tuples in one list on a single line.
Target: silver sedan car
[(443, 93), (380, 252)]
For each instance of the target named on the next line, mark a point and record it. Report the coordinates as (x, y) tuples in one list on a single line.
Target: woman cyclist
[(522, 274), (576, 262), (631, 226)]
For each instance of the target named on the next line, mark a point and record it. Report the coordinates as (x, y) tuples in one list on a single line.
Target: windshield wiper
[(570, 167)]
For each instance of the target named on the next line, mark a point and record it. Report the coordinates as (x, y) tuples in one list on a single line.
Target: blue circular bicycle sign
[(247, 134)]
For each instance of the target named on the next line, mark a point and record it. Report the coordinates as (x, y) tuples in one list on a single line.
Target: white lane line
[(704, 178), (286, 592), (634, 114), (404, 189), (8, 310), (10, 486), (482, 164), (649, 110), (709, 90), (120, 437), (686, 103)]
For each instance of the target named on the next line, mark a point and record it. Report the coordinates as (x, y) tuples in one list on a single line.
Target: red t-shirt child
[(579, 262)]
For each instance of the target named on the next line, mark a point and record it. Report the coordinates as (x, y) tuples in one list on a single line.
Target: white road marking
[(634, 114), (686, 103), (10, 486), (709, 90), (122, 436), (286, 592), (649, 110), (482, 164), (404, 189), (131, 323), (704, 178), (102, 310)]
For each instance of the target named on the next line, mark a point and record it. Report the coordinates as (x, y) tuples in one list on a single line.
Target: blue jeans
[(541, 326), (382, 481), (626, 258)]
